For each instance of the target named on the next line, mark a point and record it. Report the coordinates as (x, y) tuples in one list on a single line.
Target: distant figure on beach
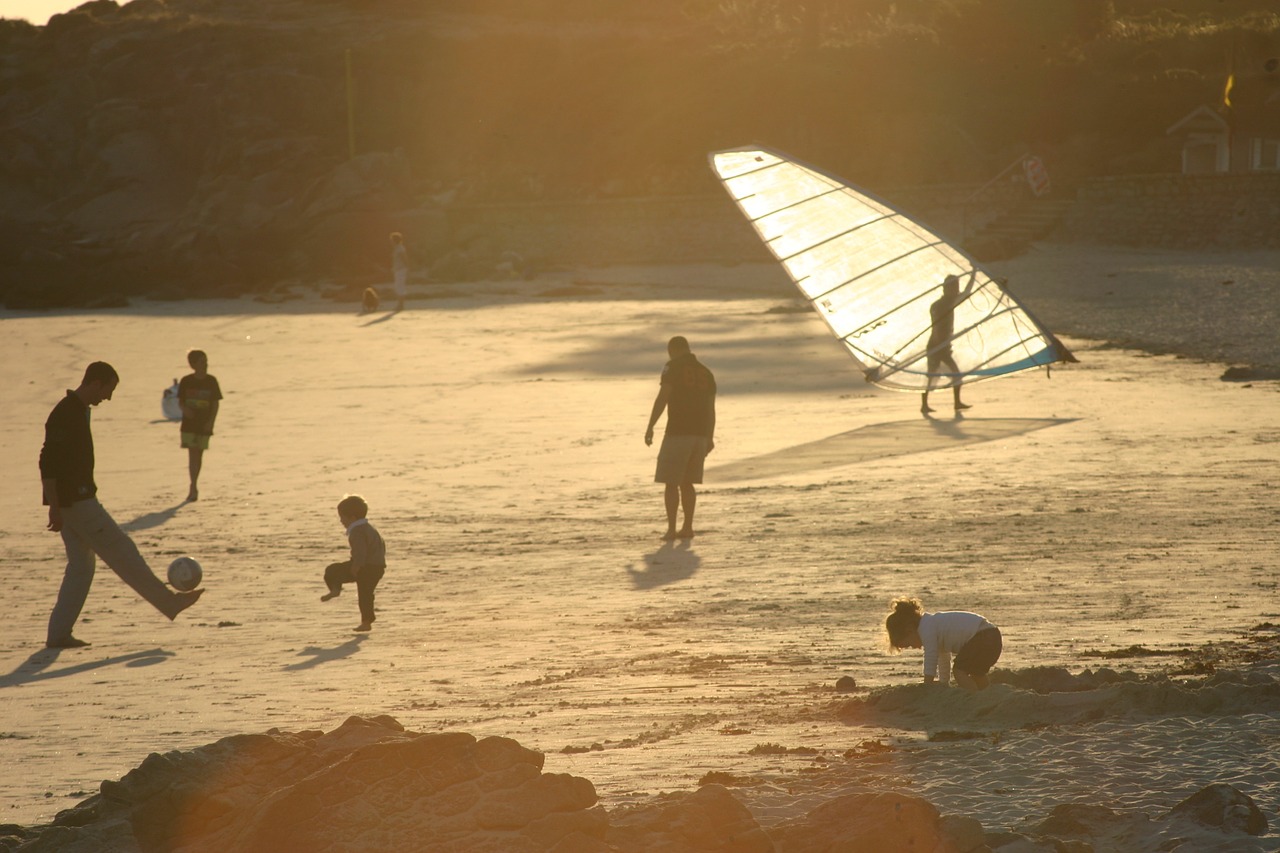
[(974, 641), (198, 394), (399, 268), (66, 474), (687, 390), (368, 559), (942, 318)]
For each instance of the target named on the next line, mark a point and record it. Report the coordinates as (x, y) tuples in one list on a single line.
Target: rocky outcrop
[(186, 148), (709, 818), (367, 785), (372, 786), (1222, 807), (871, 821)]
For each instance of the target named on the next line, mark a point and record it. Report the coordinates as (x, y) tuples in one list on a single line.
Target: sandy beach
[(1117, 519)]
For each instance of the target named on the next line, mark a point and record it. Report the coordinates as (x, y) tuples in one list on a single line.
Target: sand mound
[(1040, 696)]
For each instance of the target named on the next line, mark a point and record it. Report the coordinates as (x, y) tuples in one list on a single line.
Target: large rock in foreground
[(1222, 807), (881, 822), (368, 785)]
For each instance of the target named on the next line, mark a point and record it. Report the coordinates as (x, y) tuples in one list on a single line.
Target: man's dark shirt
[(690, 391), (67, 455)]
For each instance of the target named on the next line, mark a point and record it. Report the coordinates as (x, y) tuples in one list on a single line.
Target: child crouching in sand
[(975, 642), (368, 559)]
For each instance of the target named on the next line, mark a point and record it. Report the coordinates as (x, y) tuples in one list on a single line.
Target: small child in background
[(198, 395), (974, 641), (368, 559)]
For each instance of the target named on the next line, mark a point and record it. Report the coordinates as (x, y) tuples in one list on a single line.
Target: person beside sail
[(871, 272), (942, 323)]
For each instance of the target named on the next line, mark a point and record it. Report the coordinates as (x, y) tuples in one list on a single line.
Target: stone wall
[(1237, 211)]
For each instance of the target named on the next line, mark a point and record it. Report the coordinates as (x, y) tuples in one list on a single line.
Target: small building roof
[(1202, 119)]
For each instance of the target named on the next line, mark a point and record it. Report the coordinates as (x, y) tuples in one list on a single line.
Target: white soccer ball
[(185, 574)]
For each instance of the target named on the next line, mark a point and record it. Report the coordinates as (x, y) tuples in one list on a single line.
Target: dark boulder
[(1223, 807)]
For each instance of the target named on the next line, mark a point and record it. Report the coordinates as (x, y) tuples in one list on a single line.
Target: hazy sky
[(36, 11)]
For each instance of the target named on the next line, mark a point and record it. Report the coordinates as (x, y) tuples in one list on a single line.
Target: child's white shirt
[(943, 634)]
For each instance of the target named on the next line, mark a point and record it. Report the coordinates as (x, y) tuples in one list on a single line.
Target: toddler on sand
[(368, 559), (975, 642)]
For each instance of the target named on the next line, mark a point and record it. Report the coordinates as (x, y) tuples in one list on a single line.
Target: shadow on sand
[(384, 318), (151, 519), (318, 655), (877, 441), (36, 667), (673, 562)]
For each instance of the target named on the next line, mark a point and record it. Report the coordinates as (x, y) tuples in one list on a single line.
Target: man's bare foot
[(330, 595), (668, 536), (67, 642), (960, 406), (363, 627), (685, 533), (183, 600), (193, 495), (925, 408)]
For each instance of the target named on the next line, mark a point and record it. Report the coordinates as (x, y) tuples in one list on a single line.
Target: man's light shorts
[(680, 459), (191, 439)]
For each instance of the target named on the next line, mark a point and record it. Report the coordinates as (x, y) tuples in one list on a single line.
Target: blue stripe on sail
[(1048, 355)]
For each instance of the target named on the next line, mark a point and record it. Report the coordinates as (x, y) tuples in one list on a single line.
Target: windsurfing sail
[(876, 277)]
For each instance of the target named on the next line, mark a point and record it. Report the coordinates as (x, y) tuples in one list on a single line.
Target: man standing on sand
[(688, 393), (942, 319), (399, 268), (66, 473)]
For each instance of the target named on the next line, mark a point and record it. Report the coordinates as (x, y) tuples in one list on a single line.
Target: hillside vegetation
[(197, 144)]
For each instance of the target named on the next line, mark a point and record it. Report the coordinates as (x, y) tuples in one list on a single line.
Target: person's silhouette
[(942, 315)]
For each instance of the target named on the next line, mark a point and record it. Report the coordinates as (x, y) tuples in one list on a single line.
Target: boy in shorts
[(198, 394), (368, 559)]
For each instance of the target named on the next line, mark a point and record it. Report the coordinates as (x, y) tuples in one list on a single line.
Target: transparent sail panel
[(875, 276)]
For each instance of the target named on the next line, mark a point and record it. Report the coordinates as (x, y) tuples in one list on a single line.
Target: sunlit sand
[(1128, 501)]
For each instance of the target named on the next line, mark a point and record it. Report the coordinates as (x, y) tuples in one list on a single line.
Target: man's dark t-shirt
[(67, 455), (202, 391), (690, 391)]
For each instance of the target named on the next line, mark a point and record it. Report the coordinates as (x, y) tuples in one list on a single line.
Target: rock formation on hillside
[(186, 148)]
